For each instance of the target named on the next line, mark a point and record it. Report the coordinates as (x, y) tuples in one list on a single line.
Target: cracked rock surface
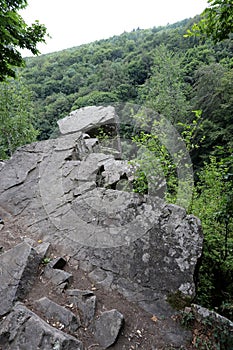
[(17, 328), (75, 193)]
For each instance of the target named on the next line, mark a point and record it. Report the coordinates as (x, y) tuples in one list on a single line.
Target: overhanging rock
[(88, 119), (69, 191)]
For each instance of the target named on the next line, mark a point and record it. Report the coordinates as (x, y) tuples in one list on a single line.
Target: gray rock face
[(22, 329), (70, 193), (18, 269), (107, 327), (2, 164), (57, 276), (43, 249), (58, 313), (87, 118), (84, 300)]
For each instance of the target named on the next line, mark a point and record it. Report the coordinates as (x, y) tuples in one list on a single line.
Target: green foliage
[(154, 67), (213, 95), (216, 22), (140, 184), (156, 172), (102, 135), (46, 260), (189, 131), (162, 153), (15, 34), (212, 203), (16, 119), (94, 98), (209, 333), (178, 300), (187, 318), (164, 91)]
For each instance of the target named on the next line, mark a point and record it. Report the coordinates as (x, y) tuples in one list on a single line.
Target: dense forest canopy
[(131, 68), (189, 80)]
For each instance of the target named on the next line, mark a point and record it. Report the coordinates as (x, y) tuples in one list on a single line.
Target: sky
[(75, 22)]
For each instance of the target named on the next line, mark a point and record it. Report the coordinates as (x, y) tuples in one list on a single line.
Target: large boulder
[(70, 193)]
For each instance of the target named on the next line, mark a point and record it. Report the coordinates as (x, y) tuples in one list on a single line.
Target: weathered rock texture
[(85, 301), (18, 268), (66, 191), (56, 325), (23, 329), (107, 327), (57, 313), (88, 119)]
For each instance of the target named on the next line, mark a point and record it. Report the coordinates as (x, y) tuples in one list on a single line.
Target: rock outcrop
[(70, 192)]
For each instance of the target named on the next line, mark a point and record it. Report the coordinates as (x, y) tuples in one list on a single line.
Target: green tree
[(15, 34), (155, 171), (94, 98), (162, 161), (216, 22), (139, 69), (76, 74), (16, 117), (164, 90), (213, 95)]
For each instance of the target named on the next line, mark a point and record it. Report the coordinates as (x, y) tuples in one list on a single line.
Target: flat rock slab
[(58, 313), (107, 327), (87, 118), (19, 267), (22, 329)]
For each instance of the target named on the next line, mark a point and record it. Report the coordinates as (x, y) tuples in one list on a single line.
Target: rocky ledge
[(71, 192)]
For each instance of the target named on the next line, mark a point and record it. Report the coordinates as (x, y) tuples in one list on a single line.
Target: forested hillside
[(174, 76), (123, 67)]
